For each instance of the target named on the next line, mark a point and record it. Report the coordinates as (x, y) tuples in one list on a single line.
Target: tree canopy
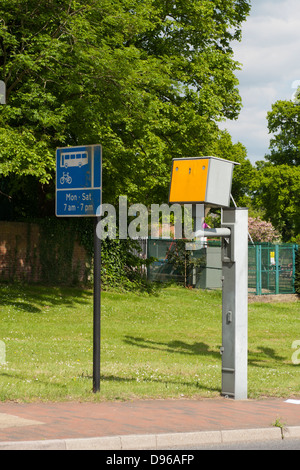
[(277, 187), (279, 194), (284, 123), (149, 80)]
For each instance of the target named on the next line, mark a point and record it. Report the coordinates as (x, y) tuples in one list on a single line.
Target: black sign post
[(97, 309), (79, 194)]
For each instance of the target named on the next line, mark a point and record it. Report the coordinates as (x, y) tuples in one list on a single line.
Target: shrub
[(121, 263), (262, 231)]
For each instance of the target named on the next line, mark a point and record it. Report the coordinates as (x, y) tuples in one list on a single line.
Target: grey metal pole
[(97, 310), (235, 303), (234, 350)]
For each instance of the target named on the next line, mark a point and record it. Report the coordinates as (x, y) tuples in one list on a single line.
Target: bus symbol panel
[(68, 159)]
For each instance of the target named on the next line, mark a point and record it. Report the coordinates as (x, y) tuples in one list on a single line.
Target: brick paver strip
[(83, 420)]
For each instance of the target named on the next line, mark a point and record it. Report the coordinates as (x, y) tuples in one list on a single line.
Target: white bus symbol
[(68, 159)]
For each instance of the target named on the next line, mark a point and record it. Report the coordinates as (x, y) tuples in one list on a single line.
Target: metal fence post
[(295, 249), (277, 269), (258, 269)]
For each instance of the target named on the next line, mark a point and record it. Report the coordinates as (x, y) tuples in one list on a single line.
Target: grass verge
[(152, 345)]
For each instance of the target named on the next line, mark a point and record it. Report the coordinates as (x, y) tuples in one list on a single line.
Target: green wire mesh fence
[(271, 267)]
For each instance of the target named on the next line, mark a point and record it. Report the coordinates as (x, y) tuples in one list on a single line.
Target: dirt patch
[(269, 298)]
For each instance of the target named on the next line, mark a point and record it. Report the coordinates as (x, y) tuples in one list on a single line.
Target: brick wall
[(21, 257)]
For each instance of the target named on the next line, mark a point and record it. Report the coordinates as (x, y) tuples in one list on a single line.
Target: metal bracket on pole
[(213, 232)]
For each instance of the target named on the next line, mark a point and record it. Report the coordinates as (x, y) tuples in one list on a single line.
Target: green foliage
[(148, 80), (278, 192), (121, 264), (244, 173), (276, 188), (284, 123), (21, 153), (183, 260)]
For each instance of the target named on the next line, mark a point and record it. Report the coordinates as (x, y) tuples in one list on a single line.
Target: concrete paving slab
[(242, 435), (12, 421), (94, 443), (292, 432), (34, 445), (188, 439), (138, 442)]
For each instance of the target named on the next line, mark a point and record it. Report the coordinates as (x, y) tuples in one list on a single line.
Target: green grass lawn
[(152, 346)]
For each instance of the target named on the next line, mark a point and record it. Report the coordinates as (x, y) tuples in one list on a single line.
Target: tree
[(148, 80), (279, 194), (284, 123), (278, 179), (244, 173)]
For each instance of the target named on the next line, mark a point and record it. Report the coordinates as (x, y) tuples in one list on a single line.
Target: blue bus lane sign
[(78, 181)]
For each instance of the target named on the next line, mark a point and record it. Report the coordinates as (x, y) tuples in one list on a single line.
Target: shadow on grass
[(36, 298), (34, 384), (263, 357), (178, 347), (195, 384), (258, 359)]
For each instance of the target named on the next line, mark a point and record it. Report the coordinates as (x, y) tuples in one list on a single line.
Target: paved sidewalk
[(144, 424)]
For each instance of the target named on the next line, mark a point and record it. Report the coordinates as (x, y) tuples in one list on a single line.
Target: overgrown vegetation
[(122, 265), (147, 80), (184, 261)]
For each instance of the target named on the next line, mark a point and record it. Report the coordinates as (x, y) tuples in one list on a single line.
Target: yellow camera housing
[(203, 180)]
